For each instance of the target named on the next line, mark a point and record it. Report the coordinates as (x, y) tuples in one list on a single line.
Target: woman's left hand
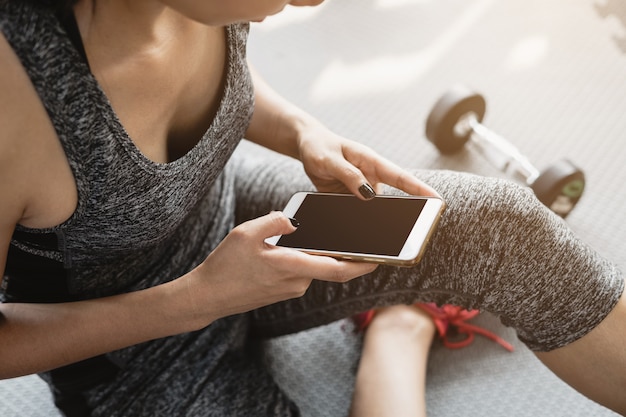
[(336, 164)]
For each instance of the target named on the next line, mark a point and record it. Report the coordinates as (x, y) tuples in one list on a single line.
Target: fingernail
[(367, 191), (294, 222)]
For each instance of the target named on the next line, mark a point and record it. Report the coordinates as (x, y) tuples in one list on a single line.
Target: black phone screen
[(347, 224)]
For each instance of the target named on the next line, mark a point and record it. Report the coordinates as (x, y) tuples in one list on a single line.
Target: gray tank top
[(137, 223)]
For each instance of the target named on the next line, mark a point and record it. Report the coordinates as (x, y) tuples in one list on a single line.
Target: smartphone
[(386, 229)]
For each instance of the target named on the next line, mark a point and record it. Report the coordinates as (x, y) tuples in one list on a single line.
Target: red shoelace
[(450, 321)]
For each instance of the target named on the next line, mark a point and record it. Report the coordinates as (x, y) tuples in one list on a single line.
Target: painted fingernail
[(294, 222), (367, 191)]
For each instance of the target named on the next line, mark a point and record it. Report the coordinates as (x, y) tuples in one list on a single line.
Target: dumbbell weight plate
[(447, 113), (560, 187)]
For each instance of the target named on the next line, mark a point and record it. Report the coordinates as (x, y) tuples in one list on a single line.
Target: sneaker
[(451, 324)]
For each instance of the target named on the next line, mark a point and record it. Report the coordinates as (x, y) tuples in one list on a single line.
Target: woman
[(133, 242)]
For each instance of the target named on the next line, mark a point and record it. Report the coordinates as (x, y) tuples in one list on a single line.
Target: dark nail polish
[(367, 191), (294, 222)]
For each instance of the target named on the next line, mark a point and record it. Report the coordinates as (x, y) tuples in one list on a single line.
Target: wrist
[(187, 313), (280, 128), (295, 130)]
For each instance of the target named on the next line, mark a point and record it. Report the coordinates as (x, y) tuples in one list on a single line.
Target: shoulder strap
[(68, 21)]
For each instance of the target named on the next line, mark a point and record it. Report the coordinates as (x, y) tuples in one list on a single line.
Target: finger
[(401, 179), (335, 270), (306, 2), (349, 270), (388, 173), (272, 224), (321, 267), (353, 179)]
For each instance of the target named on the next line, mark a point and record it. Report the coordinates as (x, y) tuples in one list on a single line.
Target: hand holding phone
[(387, 229)]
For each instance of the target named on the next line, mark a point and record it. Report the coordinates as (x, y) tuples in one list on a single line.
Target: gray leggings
[(496, 249)]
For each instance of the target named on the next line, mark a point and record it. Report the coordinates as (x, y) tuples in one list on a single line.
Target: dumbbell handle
[(514, 161)]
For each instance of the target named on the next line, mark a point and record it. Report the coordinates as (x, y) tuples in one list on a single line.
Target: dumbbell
[(456, 119)]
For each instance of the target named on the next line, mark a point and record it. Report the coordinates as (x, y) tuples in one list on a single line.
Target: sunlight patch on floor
[(341, 80)]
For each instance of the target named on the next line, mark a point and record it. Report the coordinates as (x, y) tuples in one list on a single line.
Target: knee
[(492, 202), (486, 195)]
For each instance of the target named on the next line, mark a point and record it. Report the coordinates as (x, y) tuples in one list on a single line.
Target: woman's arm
[(36, 337), (276, 123), (334, 163)]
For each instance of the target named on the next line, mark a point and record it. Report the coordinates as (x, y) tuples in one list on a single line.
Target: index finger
[(337, 270), (391, 174)]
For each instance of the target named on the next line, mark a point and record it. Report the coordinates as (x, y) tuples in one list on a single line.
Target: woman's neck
[(121, 28)]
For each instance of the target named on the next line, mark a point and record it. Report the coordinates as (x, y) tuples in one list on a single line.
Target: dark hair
[(56, 4)]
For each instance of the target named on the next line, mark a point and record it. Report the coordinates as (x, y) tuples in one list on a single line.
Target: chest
[(164, 106), (167, 98)]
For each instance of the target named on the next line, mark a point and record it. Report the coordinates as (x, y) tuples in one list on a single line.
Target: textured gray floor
[(553, 75)]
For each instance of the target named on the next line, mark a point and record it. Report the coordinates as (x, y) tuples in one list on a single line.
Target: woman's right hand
[(244, 272)]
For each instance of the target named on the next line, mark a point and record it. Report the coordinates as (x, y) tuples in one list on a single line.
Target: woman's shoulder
[(14, 99), (27, 137), (31, 29), (29, 26), (36, 37), (16, 93), (18, 100), (17, 58), (14, 12)]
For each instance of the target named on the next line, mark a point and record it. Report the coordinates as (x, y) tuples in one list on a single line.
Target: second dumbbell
[(456, 119)]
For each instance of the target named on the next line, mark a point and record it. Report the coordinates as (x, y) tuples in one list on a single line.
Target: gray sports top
[(132, 213)]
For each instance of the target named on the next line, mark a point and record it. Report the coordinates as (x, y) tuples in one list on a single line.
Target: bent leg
[(497, 249)]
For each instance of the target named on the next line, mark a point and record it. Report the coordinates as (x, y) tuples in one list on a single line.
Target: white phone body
[(387, 229)]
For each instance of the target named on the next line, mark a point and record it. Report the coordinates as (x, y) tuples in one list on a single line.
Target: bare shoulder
[(14, 102), (32, 161)]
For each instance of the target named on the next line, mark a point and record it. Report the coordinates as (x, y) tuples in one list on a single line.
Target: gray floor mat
[(316, 368), (553, 75)]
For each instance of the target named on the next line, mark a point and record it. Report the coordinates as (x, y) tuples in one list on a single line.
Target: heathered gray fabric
[(139, 224)]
